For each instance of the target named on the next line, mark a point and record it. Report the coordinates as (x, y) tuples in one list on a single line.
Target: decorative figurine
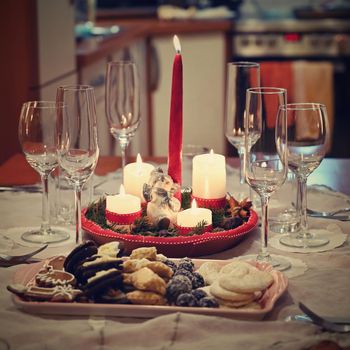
[(162, 207)]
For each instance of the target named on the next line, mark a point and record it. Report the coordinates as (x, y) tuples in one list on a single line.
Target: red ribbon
[(175, 127), (122, 219), (183, 231), (215, 203)]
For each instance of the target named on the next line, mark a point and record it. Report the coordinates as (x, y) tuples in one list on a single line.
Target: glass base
[(285, 222), (279, 264), (47, 237), (301, 241)]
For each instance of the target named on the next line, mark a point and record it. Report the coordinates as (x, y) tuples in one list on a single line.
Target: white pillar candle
[(123, 203), (135, 176), (193, 216), (209, 176)]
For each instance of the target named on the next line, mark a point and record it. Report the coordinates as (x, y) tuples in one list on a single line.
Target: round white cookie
[(219, 292), (249, 283), (237, 268), (210, 271)]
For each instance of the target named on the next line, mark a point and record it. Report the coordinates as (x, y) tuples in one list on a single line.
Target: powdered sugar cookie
[(238, 268), (219, 292), (251, 282), (210, 271)]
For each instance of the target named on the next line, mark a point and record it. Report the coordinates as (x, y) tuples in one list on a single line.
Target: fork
[(6, 259), (325, 324), (326, 213)]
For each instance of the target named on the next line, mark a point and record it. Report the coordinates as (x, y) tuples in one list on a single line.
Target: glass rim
[(79, 87), (44, 104), (304, 106), (244, 64), (121, 63), (266, 90)]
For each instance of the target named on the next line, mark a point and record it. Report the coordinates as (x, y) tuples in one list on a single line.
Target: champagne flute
[(307, 138), (78, 148), (240, 77), (37, 136), (122, 102), (266, 165)]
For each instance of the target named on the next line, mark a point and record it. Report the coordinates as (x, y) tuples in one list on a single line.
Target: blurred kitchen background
[(303, 46)]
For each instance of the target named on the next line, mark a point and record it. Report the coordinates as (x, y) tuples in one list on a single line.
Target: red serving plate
[(174, 247)]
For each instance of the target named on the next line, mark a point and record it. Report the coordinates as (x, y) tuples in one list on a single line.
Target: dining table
[(321, 279)]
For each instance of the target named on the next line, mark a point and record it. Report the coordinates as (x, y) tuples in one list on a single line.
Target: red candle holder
[(122, 219), (183, 231), (215, 203)]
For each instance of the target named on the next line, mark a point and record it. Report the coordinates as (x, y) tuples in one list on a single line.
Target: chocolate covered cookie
[(79, 254)]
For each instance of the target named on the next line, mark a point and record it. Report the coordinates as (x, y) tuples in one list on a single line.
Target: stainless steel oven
[(305, 42)]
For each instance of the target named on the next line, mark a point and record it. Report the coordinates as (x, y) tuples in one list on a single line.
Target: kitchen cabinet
[(39, 54), (204, 58)]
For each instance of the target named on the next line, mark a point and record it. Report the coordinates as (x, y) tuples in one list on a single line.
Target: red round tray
[(174, 247)]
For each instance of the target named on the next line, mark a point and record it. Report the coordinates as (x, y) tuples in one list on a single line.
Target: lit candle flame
[(211, 151), (138, 163), (121, 189), (194, 204), (177, 44)]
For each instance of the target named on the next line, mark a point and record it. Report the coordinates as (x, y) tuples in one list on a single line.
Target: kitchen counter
[(92, 49)]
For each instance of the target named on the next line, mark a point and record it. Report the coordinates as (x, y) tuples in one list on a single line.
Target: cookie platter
[(174, 247), (266, 302)]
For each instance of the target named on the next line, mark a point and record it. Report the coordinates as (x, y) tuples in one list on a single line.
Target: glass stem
[(302, 205), (45, 225), (78, 233), (264, 254), (241, 166)]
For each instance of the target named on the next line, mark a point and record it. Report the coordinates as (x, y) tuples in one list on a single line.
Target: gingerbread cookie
[(54, 278), (55, 263), (64, 293)]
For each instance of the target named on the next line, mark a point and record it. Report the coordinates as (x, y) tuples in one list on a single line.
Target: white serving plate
[(26, 274)]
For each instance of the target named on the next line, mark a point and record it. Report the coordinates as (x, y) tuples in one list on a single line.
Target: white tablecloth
[(324, 287)]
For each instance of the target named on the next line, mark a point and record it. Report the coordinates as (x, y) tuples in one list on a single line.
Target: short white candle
[(123, 203), (209, 176), (135, 176), (193, 216)]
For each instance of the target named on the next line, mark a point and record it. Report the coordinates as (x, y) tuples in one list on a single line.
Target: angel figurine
[(162, 205)]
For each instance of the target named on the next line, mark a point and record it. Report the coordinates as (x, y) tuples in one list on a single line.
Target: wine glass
[(240, 77), (266, 165), (78, 148), (122, 102), (37, 136), (307, 138)]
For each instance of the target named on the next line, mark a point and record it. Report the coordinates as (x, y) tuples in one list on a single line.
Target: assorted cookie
[(99, 274)]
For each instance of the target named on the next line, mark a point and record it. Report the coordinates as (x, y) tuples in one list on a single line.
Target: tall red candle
[(175, 127)]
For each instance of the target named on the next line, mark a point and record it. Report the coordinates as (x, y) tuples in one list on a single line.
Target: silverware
[(16, 258), (322, 322), (311, 212), (22, 188)]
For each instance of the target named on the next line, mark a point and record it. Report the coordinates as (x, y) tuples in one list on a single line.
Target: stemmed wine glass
[(307, 138), (240, 77), (122, 102), (78, 148), (266, 165), (38, 138)]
